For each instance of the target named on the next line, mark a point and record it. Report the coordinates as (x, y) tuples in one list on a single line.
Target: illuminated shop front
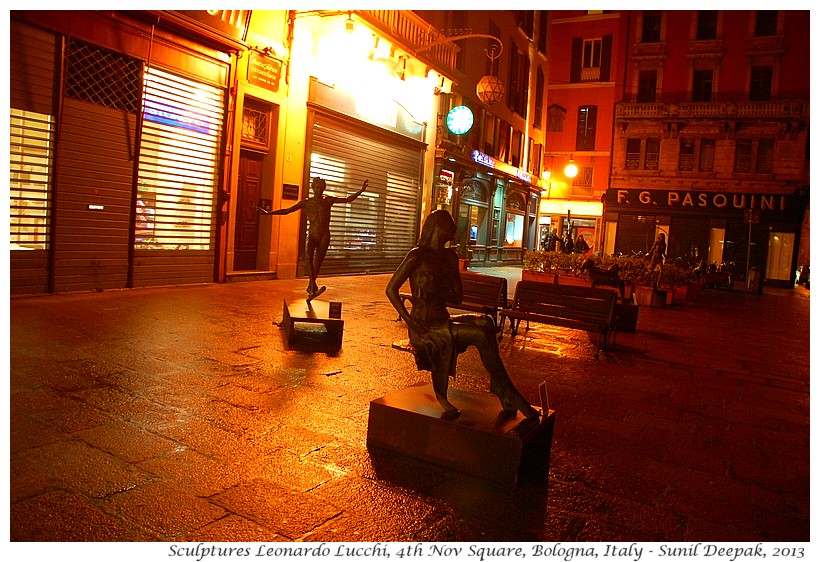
[(129, 198), (744, 230), (495, 206), (367, 105)]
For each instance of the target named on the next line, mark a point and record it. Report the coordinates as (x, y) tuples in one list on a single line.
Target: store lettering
[(704, 200)]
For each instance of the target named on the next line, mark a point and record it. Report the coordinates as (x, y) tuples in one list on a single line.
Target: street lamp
[(571, 169)]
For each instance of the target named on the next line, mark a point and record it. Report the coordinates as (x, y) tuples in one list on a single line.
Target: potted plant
[(676, 280), (539, 265)]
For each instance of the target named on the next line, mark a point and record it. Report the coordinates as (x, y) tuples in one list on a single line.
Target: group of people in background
[(554, 243)]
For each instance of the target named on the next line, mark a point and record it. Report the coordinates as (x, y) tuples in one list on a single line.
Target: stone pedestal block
[(482, 441)]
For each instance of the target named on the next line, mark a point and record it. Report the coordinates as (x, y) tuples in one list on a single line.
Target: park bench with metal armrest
[(580, 308)]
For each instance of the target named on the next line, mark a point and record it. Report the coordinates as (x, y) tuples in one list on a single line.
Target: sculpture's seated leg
[(440, 383)]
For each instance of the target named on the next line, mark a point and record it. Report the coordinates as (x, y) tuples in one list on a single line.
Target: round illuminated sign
[(460, 120)]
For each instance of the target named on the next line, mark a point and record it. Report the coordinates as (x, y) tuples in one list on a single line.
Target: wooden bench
[(581, 308), (481, 293)]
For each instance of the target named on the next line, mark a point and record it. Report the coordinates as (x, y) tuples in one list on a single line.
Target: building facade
[(710, 143), (488, 174), (118, 131), (143, 143), (586, 74)]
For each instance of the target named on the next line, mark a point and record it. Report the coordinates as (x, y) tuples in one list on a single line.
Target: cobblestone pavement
[(180, 414)]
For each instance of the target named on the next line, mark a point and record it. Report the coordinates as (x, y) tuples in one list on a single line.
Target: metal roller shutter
[(374, 232), (95, 171), (636, 234), (178, 180), (32, 85), (688, 240)]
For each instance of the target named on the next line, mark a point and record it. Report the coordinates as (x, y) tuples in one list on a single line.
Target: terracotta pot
[(538, 276)]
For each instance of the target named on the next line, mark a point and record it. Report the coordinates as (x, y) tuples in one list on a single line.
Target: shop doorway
[(779, 262), (246, 229)]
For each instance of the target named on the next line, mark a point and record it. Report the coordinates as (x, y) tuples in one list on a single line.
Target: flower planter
[(539, 276), (648, 296), (572, 280)]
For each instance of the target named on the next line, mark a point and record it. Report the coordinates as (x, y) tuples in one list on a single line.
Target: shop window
[(702, 84), (765, 156), (743, 156), (765, 23), (653, 151), (760, 86), (30, 170), (514, 231), (651, 27), (647, 86), (686, 158), (706, 161), (706, 25), (587, 122)]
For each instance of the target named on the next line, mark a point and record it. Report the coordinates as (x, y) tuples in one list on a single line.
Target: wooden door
[(246, 230)]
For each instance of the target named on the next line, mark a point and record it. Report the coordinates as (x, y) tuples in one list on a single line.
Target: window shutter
[(606, 57), (575, 60)]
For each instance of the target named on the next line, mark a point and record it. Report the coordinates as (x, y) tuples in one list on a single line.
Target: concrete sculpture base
[(481, 441)]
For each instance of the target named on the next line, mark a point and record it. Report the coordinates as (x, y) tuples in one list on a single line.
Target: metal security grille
[(374, 232), (102, 77), (178, 163), (32, 153)]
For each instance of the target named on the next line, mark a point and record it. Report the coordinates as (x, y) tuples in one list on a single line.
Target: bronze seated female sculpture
[(437, 338)]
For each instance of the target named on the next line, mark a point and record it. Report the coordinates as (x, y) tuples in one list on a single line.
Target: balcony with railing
[(413, 33), (771, 109)]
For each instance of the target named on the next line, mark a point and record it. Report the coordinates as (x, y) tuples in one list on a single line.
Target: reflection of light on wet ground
[(554, 340)]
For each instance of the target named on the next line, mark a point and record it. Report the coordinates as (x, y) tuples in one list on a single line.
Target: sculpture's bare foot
[(515, 403), (315, 293), (449, 410)]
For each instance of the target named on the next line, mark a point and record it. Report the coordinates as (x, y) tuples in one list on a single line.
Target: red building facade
[(710, 141)]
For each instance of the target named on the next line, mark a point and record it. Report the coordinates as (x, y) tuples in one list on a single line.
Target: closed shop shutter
[(95, 169), (175, 226), (32, 120), (688, 240), (374, 232), (636, 234)]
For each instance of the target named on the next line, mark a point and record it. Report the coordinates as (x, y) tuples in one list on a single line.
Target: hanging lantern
[(490, 89)]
